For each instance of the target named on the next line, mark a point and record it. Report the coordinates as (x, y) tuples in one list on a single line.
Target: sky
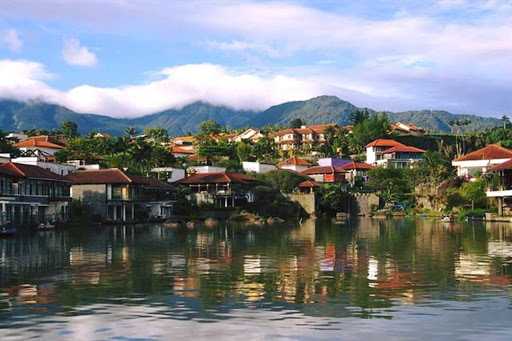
[(128, 58)]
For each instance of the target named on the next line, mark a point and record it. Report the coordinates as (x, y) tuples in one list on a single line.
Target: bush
[(477, 213)]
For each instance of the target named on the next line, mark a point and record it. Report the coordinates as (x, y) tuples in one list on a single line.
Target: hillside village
[(370, 167)]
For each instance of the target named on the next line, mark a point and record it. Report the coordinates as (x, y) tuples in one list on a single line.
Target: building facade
[(392, 154), (112, 195), (303, 138), (481, 160), (32, 195)]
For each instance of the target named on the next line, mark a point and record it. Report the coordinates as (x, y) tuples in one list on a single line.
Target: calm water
[(372, 280)]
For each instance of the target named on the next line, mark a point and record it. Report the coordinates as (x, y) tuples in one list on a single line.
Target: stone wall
[(305, 200), (365, 202)]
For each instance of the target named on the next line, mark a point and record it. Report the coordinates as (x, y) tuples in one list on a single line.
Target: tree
[(359, 116), (209, 127), (282, 180), (130, 132), (374, 127), (296, 123), (158, 135), (391, 183), (337, 142), (506, 121), (69, 129), (243, 150), (474, 192)]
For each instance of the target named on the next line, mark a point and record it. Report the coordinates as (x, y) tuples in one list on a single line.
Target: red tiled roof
[(403, 149), (490, 152), (181, 150), (294, 161), (356, 165), (38, 141), (502, 166), (111, 176), (384, 143), (28, 171), (317, 129), (211, 178), (308, 184), (322, 170)]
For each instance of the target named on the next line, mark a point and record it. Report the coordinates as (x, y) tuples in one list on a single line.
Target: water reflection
[(369, 269)]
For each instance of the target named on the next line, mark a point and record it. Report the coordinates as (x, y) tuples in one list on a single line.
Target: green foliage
[(296, 123), (477, 213), (359, 115), (333, 198), (474, 192), (138, 156), (158, 135), (433, 169), (281, 180), (210, 127), (244, 151), (392, 184), (377, 126), (6, 146), (337, 142), (69, 129)]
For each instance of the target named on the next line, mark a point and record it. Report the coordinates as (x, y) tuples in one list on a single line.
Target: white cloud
[(12, 40), (76, 54), (177, 86)]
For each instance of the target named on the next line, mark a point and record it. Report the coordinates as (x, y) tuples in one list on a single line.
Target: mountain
[(16, 116)]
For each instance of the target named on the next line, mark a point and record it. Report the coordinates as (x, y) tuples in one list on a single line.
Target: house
[(250, 134), (323, 174), (391, 153), (481, 160), (294, 164), (39, 146), (205, 170), (16, 136), (307, 186), (183, 146), (172, 174), (115, 196), (62, 169), (502, 190), (221, 189), (407, 129), (305, 137), (257, 167), (32, 195), (356, 170)]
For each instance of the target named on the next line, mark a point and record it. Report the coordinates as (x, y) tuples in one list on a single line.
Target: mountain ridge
[(18, 115)]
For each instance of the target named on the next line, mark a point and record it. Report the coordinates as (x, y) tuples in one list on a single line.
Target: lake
[(370, 280)]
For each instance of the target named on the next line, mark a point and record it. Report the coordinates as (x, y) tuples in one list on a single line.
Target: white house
[(61, 169), (206, 170), (250, 134), (481, 160), (39, 145), (391, 153), (173, 174), (257, 167), (294, 164)]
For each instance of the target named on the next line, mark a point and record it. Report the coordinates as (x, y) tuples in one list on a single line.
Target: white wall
[(257, 167), (57, 168)]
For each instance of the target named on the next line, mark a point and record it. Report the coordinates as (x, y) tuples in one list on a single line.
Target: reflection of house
[(391, 153), (30, 194), (116, 196), (481, 160), (43, 145), (221, 189), (301, 138), (295, 164)]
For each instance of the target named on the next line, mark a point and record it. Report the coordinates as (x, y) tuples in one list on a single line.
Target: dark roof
[(38, 141), (323, 170), (29, 171), (294, 161), (111, 176), (308, 184), (212, 178), (490, 152)]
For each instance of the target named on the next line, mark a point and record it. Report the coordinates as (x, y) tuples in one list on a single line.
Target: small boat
[(46, 226)]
